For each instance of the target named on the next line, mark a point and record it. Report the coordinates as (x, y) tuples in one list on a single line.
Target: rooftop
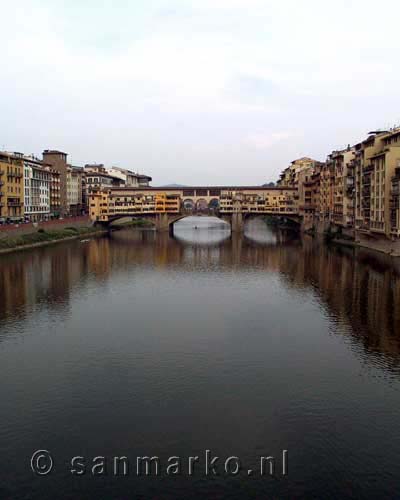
[(54, 152)]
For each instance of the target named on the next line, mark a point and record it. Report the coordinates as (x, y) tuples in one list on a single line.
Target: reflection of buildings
[(12, 287), (359, 293)]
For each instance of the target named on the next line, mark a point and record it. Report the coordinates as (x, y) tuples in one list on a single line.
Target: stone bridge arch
[(189, 205), (201, 205), (164, 221), (213, 204)]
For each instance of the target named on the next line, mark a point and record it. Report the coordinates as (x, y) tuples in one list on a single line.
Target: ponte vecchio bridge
[(164, 206)]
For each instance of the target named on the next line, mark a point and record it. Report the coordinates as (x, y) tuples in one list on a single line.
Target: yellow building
[(290, 176), (307, 192), (11, 187), (99, 208), (377, 159), (342, 184), (167, 203), (130, 201), (326, 190)]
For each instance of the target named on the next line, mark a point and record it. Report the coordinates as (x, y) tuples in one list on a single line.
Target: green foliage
[(41, 236), (133, 223)]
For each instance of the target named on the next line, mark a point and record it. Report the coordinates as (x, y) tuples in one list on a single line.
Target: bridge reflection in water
[(201, 231), (360, 288)]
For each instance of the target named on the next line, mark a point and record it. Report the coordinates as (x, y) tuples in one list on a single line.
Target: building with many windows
[(58, 161), (123, 201), (129, 178), (356, 192), (55, 196), (37, 186), (376, 161), (290, 175), (74, 190), (341, 165), (11, 187), (101, 180)]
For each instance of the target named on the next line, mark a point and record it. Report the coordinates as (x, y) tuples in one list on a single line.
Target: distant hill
[(269, 185)]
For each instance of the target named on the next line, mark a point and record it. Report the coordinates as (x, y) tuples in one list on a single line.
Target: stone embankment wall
[(380, 244), (15, 230)]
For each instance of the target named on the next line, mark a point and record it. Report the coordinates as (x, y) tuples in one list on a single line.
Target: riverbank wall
[(26, 236), (353, 238), (378, 244), (16, 230)]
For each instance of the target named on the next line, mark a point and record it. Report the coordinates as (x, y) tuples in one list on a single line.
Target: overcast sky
[(197, 92)]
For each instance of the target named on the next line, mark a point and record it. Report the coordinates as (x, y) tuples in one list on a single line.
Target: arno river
[(140, 344)]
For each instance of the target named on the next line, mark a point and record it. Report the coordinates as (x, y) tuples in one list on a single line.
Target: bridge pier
[(162, 222), (237, 222)]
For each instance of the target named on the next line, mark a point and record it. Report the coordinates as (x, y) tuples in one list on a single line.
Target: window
[(201, 192)]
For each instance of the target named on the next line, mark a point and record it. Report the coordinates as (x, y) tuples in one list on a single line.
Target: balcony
[(14, 203)]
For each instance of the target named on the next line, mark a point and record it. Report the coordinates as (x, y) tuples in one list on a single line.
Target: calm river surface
[(140, 344)]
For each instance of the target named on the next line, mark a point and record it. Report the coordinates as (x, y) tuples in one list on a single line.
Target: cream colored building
[(290, 176), (75, 178), (73, 188), (129, 178), (376, 161), (37, 186), (341, 164)]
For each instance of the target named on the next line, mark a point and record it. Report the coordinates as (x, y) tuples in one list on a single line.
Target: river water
[(140, 344)]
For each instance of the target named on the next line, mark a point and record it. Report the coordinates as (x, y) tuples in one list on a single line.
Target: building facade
[(101, 180), (290, 175), (376, 162), (356, 191), (75, 190), (129, 178), (11, 187), (58, 162), (114, 202), (37, 186), (55, 194)]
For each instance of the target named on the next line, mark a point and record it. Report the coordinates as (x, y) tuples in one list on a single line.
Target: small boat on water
[(84, 241)]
